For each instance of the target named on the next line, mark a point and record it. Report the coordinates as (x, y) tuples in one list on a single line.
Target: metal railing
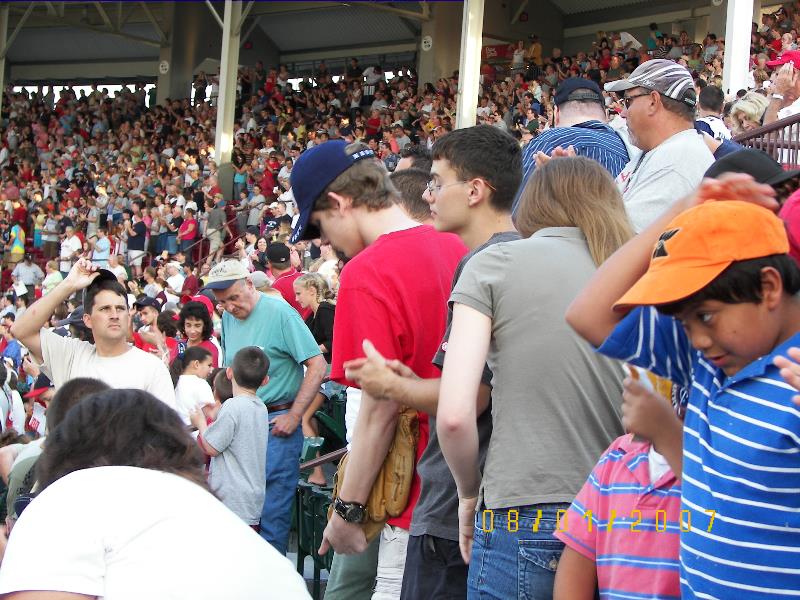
[(780, 139)]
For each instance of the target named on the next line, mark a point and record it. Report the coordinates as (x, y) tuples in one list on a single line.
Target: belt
[(277, 407)]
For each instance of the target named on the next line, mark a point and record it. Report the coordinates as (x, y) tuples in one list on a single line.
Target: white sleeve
[(54, 546), (17, 412), (160, 384), (58, 353), (205, 395)]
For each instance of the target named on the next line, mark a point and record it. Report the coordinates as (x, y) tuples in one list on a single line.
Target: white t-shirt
[(126, 533), (66, 358), (69, 247), (120, 272), (657, 465), (328, 270), (790, 110), (657, 179), (717, 125), (190, 393), (176, 282)]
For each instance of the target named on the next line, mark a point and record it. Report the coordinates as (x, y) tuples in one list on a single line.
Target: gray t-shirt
[(555, 401), (256, 205), (651, 183), (216, 219), (237, 474), (436, 512)]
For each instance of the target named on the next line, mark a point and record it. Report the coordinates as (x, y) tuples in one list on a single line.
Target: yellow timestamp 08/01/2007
[(633, 521)]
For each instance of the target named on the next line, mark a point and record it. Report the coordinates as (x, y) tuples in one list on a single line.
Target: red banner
[(497, 52)]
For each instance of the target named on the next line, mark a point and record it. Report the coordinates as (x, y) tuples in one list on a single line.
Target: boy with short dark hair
[(706, 298), (392, 292), (237, 439)]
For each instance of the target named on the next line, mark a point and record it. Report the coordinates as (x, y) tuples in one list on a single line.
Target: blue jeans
[(515, 564), (283, 473), (171, 245)]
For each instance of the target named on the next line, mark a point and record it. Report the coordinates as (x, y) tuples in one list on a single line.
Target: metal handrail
[(324, 459), (780, 139)]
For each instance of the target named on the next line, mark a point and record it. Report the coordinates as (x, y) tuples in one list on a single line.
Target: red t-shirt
[(285, 285), (184, 232), (790, 213), (394, 293), (209, 345), (190, 285), (373, 126)]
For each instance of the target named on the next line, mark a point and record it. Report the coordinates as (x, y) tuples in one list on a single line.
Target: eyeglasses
[(628, 100), (434, 188)]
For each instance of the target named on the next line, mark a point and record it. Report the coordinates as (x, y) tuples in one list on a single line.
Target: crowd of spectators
[(316, 274)]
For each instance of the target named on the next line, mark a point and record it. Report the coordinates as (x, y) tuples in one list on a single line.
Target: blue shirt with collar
[(591, 139), (741, 459)]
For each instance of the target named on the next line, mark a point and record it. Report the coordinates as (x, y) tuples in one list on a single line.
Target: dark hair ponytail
[(180, 364)]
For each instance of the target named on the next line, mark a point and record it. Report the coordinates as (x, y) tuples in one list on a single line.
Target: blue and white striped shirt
[(741, 459), (591, 139)]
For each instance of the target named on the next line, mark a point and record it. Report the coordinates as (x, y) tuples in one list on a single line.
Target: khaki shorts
[(12, 258), (214, 241), (135, 257)]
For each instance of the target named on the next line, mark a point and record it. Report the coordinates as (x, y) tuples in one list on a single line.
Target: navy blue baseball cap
[(314, 171), (577, 88)]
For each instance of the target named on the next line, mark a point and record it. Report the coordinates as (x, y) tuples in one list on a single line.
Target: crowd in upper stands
[(130, 256)]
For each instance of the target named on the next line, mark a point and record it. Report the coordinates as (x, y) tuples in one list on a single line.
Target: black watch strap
[(352, 512)]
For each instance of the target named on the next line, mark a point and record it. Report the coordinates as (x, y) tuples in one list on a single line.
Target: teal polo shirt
[(276, 328)]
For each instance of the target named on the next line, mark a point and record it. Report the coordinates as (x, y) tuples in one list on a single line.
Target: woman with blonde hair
[(312, 291), (555, 402), (747, 112)]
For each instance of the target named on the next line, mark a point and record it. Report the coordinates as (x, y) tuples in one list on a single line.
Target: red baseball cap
[(790, 56), (204, 301), (41, 385)]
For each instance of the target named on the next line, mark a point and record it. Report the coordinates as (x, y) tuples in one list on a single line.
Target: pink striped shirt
[(627, 526)]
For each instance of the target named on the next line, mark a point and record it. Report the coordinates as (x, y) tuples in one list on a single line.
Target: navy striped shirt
[(591, 139), (741, 459)]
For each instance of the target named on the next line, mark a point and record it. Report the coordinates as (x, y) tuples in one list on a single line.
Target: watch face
[(355, 514), (350, 512)]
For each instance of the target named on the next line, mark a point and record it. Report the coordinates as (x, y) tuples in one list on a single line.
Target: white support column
[(469, 70), (737, 45), (229, 67), (3, 35)]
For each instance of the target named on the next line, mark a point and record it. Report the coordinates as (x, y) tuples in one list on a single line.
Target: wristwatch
[(776, 96), (352, 512)]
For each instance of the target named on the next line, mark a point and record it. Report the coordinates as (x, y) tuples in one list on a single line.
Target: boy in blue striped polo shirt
[(709, 296)]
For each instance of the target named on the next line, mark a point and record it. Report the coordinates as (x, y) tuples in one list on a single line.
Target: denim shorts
[(515, 554)]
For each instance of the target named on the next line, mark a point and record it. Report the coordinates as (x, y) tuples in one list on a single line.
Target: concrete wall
[(445, 30), (196, 35), (544, 20), (262, 49)]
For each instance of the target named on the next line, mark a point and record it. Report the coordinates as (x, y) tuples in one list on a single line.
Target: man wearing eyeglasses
[(659, 103)]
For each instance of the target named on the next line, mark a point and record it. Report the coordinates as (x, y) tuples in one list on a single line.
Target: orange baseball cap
[(701, 243)]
